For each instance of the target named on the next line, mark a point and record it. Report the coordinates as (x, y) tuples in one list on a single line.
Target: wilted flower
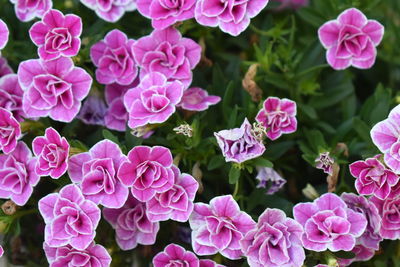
[(27, 10), (197, 99), (93, 111), (4, 32), (9, 207), (10, 131), (184, 129), (11, 96), (111, 10), (174, 255), (269, 177), (325, 162)]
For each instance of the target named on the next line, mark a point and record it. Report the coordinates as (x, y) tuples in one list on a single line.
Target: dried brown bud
[(250, 85), (9, 207), (184, 129), (204, 61), (333, 178), (342, 148)]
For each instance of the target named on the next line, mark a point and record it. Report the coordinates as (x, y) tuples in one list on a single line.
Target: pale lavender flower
[(269, 177), (325, 162), (93, 111)]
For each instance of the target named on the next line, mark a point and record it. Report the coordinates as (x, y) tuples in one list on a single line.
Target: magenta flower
[(278, 116), (174, 255), (11, 96), (113, 59), (276, 241), (269, 177), (1, 251), (10, 131), (27, 10), (57, 35), (148, 171), (4, 33), (231, 16), (329, 224), (110, 10), (17, 174), (219, 226), (351, 40), (164, 13), (96, 173), (197, 99), (325, 162), (116, 115), (239, 144), (153, 101), (53, 88), (209, 263), (165, 51), (93, 255), (70, 218), (52, 152), (4, 67), (132, 225), (388, 210), (175, 203), (362, 254)]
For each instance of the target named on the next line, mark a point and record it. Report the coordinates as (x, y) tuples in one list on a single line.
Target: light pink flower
[(11, 96), (231, 16), (94, 255), (113, 59), (351, 40), (174, 255), (219, 226), (57, 35), (96, 173), (27, 10), (110, 10), (175, 203), (53, 88), (278, 116), (4, 33), (52, 152), (362, 254), (10, 131), (197, 99), (164, 13), (148, 171), (4, 67), (17, 174), (132, 225), (153, 100), (70, 218), (165, 51), (329, 224), (388, 210)]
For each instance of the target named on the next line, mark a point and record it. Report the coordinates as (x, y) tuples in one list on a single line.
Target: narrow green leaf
[(262, 162), (234, 175)]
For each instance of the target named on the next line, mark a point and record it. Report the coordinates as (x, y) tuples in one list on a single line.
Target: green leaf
[(262, 162), (234, 175), (110, 136), (227, 100), (215, 162), (362, 129)]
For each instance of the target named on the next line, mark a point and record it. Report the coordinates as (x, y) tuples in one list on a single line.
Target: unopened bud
[(9, 207), (310, 192)]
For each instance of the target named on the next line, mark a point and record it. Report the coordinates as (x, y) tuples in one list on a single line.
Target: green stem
[(236, 191)]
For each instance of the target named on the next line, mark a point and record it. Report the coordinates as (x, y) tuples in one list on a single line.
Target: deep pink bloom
[(1, 251), (239, 144), (94, 255), (362, 254), (351, 40), (174, 255), (276, 241), (219, 226), (11, 96), (70, 218), (57, 35), (165, 51), (153, 100), (53, 88), (148, 171), (10, 131), (388, 210), (4, 33), (325, 162), (110, 10), (52, 151), (175, 203), (231, 16), (17, 174), (329, 224), (4, 67), (209, 263), (278, 116), (197, 99), (164, 13), (132, 225), (27, 10), (96, 173), (113, 59)]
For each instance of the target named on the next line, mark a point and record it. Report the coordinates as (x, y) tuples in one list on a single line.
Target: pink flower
[(17, 174), (53, 88), (113, 59), (175, 203), (93, 255), (27, 10), (165, 51), (231, 16), (373, 178), (96, 173), (197, 99), (219, 226), (57, 35), (153, 101), (275, 242), (351, 40), (4, 33), (174, 255), (4, 67), (388, 210), (278, 116), (11, 96), (362, 254), (10, 131), (110, 10), (1, 251), (329, 224), (52, 152), (148, 171), (70, 218), (164, 13), (239, 144), (209, 263), (385, 135), (132, 225)]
